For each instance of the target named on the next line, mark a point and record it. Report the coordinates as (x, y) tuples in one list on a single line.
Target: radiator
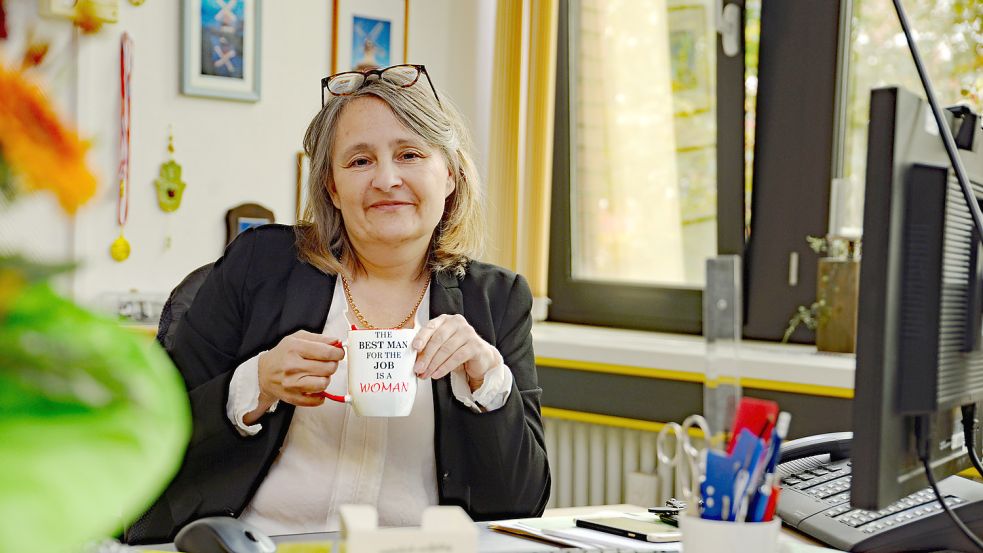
[(591, 464)]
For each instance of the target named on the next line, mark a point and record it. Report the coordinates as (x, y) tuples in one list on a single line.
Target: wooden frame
[(245, 216), (394, 14)]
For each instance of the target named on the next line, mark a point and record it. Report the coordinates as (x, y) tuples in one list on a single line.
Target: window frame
[(646, 307), (790, 196)]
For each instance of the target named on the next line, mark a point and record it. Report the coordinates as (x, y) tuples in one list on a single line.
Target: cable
[(969, 433), (923, 433)]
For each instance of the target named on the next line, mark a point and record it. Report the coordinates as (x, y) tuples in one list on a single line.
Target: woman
[(393, 227)]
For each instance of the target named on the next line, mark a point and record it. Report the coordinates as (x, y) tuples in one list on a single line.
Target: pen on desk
[(752, 454), (772, 503), (763, 496)]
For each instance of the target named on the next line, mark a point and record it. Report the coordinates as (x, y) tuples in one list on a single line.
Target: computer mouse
[(222, 535)]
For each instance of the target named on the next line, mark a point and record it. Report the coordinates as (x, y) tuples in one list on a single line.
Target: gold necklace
[(367, 324)]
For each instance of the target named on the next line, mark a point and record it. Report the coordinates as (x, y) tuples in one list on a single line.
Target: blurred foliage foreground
[(94, 418)]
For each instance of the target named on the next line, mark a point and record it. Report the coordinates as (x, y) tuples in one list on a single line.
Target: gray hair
[(321, 236)]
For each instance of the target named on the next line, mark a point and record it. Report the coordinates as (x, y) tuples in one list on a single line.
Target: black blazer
[(491, 464)]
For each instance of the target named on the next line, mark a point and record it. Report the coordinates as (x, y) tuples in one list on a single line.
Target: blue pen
[(781, 430), (751, 452), (759, 503)]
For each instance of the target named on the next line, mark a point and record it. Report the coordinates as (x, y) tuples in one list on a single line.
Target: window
[(800, 151), (650, 149), (642, 115), (950, 41), (637, 207)]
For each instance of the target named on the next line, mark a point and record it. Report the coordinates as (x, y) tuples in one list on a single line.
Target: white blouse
[(332, 457)]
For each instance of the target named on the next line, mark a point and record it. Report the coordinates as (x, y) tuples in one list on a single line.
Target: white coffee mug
[(381, 381)]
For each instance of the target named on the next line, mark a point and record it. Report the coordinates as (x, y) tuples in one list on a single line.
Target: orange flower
[(34, 144)]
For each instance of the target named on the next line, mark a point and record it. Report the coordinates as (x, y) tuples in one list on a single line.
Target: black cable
[(923, 433), (969, 433)]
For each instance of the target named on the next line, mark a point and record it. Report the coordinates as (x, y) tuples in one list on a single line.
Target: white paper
[(603, 539)]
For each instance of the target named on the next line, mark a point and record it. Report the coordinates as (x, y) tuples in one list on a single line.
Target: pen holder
[(711, 536)]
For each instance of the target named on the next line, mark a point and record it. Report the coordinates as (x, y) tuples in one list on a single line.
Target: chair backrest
[(175, 307), (178, 303)]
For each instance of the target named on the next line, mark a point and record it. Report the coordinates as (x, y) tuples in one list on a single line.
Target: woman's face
[(389, 184)]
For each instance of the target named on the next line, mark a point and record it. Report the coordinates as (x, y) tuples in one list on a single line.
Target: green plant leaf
[(33, 271), (94, 420)]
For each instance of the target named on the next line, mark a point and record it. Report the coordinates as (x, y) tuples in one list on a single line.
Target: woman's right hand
[(300, 365)]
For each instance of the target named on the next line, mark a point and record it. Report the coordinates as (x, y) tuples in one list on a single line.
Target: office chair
[(178, 303), (175, 307)]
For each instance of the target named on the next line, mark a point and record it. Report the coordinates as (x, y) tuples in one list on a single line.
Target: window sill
[(768, 365)]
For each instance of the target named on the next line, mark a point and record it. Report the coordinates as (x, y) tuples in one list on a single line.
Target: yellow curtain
[(521, 156)]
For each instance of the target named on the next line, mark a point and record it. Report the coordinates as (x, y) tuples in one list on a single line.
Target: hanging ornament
[(170, 187), (120, 248)]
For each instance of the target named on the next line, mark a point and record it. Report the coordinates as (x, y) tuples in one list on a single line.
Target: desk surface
[(792, 541), (789, 535)]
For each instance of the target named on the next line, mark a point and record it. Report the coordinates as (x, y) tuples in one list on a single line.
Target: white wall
[(456, 38), (35, 226), (233, 152)]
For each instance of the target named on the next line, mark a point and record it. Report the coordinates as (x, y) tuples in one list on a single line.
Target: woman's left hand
[(446, 343)]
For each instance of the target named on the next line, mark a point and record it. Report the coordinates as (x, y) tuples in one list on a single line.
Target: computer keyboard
[(816, 500)]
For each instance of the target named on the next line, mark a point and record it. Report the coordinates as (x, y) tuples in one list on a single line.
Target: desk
[(494, 542), (789, 535)]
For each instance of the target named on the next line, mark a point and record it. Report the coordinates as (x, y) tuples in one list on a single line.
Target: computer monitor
[(921, 300)]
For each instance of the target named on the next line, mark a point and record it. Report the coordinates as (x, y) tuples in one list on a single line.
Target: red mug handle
[(339, 399), (333, 397)]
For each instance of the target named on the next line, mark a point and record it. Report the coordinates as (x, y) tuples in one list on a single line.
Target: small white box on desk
[(443, 530)]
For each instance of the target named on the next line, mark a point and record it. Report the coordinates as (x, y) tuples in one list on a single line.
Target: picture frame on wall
[(220, 49), (366, 34), (245, 216), (691, 44)]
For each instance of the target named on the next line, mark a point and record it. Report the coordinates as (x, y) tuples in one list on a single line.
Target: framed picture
[(368, 33), (303, 175), (220, 49), (691, 43), (243, 217), (697, 185)]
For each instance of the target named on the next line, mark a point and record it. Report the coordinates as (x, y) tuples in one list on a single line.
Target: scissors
[(682, 461)]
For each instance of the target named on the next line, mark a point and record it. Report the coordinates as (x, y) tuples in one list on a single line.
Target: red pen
[(772, 503)]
